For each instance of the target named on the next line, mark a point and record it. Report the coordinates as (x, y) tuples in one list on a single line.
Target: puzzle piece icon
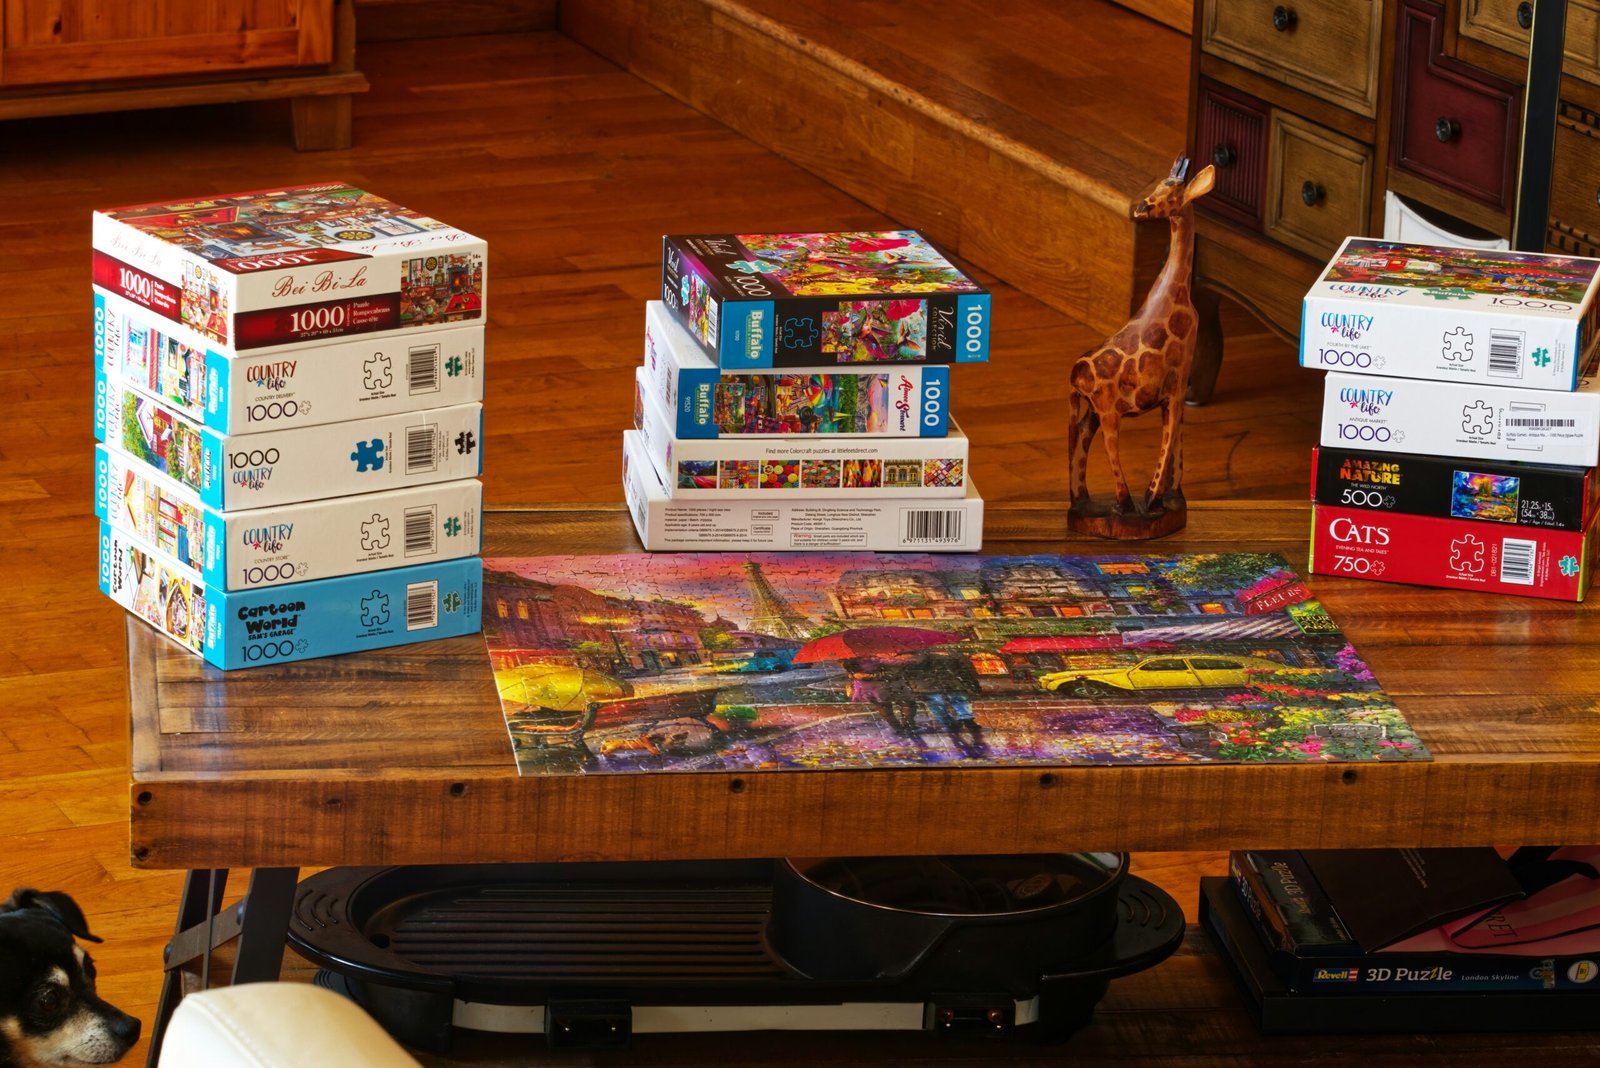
[(755, 266), (375, 609), (800, 332), (452, 602), (1466, 555), (375, 533), (1458, 345), (465, 443), (1569, 565), (1477, 418), (379, 371), (368, 455)]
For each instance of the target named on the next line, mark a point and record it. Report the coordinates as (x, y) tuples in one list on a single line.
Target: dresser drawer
[(1575, 182), (1328, 48), (1319, 185), (1231, 133), (1454, 125), (1504, 24)]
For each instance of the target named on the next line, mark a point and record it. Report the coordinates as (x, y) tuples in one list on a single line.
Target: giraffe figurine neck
[(1171, 287)]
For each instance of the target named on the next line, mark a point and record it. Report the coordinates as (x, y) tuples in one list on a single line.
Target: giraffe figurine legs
[(1161, 509), (1166, 485)]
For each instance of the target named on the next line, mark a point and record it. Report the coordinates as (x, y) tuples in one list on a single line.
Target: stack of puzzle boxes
[(288, 400), (1461, 418), (795, 395)]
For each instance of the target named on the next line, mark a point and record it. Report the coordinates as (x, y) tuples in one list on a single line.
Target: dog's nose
[(125, 1027)]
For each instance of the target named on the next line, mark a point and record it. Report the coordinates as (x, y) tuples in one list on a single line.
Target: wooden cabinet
[(65, 56), (1314, 112), (1452, 124)]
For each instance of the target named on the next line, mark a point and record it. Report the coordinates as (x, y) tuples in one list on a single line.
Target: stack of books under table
[(288, 388), (1408, 940), (1461, 418), (795, 395)]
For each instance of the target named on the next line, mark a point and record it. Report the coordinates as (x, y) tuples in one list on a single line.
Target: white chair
[(276, 1025)]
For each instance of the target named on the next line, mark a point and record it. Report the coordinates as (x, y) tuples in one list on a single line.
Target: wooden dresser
[(62, 57), (1313, 112)]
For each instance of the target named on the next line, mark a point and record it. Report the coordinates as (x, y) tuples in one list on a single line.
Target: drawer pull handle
[(1224, 156), (1310, 192), (1284, 18), (1525, 15), (1446, 129)]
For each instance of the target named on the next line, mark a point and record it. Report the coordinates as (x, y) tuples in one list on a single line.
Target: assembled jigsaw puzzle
[(740, 662)]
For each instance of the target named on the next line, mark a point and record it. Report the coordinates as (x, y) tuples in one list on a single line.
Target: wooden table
[(401, 757)]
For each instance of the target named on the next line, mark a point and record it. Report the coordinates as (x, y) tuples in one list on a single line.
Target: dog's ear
[(54, 902)]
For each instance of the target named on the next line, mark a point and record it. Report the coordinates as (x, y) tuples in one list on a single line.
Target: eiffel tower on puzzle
[(773, 615)]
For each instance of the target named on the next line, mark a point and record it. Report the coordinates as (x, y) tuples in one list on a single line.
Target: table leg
[(260, 921)]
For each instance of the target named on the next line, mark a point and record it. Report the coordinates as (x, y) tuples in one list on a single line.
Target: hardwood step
[(1018, 135)]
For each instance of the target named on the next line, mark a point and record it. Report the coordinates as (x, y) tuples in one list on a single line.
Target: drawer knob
[(1224, 156), (1310, 192), (1446, 129), (1284, 18), (1525, 15)]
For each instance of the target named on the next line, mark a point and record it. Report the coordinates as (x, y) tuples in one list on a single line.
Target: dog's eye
[(49, 999)]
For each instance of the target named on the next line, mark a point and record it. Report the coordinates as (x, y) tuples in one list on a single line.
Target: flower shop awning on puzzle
[(1249, 628), (1072, 643)]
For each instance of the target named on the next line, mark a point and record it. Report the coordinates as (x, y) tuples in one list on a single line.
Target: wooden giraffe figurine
[(1143, 366)]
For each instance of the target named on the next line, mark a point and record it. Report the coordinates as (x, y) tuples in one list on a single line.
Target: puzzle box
[(1533, 495), (1468, 420), (1454, 553), (299, 385), (280, 266), (708, 402), (306, 463), (257, 547), (791, 468), (808, 300), (247, 628), (877, 525), (1452, 314)]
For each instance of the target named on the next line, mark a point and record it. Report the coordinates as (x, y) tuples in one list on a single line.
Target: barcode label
[(1505, 353), (1540, 424), (422, 605), (422, 449), (924, 526), (1516, 560), (422, 533), (423, 369)]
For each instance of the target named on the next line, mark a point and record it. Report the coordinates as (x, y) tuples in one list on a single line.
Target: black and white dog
[(49, 1014)]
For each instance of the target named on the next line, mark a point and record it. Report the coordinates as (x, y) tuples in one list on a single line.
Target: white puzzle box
[(665, 523), (324, 617), (255, 547), (307, 463), (707, 401), (1452, 314), (301, 263), (296, 385), (1463, 420), (798, 466)]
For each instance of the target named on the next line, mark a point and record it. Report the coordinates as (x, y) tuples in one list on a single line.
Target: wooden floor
[(572, 170)]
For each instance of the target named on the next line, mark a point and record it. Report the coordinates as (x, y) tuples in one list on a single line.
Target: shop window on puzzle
[(989, 664)]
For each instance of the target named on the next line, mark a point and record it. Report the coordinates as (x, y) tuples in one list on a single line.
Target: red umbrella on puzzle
[(871, 641)]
